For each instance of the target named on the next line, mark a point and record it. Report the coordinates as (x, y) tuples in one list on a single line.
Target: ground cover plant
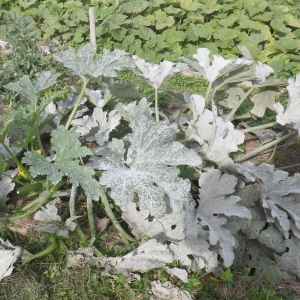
[(176, 179), (162, 29)]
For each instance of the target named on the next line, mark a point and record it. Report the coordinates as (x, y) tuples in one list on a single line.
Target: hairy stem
[(207, 96), (125, 236), (288, 167), (264, 126), (262, 148), (89, 202), (156, 105), (72, 200), (71, 117), (41, 200)]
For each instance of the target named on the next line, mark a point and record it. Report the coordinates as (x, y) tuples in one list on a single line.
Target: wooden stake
[(92, 25)]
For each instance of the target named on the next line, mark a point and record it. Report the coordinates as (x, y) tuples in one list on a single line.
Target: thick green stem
[(156, 105), (54, 244), (89, 202), (289, 167), (37, 201), (207, 96), (71, 117), (25, 173), (72, 200), (38, 137), (125, 236), (233, 111), (264, 147), (41, 200), (259, 127)]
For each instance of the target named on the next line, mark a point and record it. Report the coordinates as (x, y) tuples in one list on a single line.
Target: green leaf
[(140, 21), (149, 169), (278, 25), (291, 21), (201, 31), (255, 6), (287, 44), (190, 5), (145, 33), (119, 34), (229, 20), (30, 89), (170, 10), (162, 20), (133, 7), (68, 151)]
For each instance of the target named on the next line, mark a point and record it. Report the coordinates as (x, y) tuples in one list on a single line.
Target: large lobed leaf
[(68, 151), (156, 74), (217, 138), (148, 169), (214, 204), (290, 115), (87, 65), (30, 89)]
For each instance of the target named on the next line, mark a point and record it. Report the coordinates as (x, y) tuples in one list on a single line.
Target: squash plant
[(176, 179)]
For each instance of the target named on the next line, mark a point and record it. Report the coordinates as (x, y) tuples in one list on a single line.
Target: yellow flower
[(21, 172), (39, 152)]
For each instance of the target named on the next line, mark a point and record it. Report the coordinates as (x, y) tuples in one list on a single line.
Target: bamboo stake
[(92, 25)]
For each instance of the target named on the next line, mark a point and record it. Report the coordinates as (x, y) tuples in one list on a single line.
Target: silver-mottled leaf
[(148, 169), (87, 65)]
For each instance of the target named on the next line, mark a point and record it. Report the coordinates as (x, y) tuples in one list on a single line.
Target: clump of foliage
[(177, 180), (22, 54), (156, 30)]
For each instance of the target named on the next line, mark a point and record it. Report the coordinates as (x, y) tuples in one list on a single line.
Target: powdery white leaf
[(262, 71), (87, 65), (213, 204), (171, 227), (52, 221), (217, 138), (264, 99), (8, 256), (156, 74), (290, 115), (68, 150), (275, 188), (199, 249), (235, 94), (147, 256), (14, 150), (166, 290), (272, 238), (216, 67), (6, 186), (83, 256), (98, 126), (135, 110), (290, 261), (180, 273), (149, 169), (251, 254), (29, 89)]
